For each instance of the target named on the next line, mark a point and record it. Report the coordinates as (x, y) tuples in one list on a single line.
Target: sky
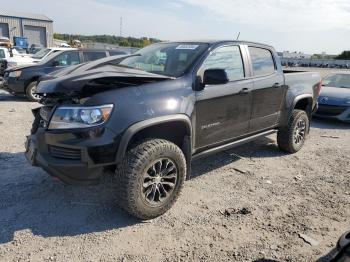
[(310, 26)]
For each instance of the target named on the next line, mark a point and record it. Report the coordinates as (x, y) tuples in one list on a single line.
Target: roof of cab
[(216, 42)]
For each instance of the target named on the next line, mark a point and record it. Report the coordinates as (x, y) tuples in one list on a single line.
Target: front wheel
[(151, 178), (30, 92), (291, 138)]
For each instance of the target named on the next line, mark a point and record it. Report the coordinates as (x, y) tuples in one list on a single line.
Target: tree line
[(108, 39), (345, 55), (144, 41)]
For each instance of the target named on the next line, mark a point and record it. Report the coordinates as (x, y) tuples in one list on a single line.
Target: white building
[(38, 29), (298, 55)]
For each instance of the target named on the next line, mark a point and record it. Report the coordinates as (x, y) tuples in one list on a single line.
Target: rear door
[(268, 89), (223, 111)]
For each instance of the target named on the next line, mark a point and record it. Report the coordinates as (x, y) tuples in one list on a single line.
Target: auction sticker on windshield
[(188, 47)]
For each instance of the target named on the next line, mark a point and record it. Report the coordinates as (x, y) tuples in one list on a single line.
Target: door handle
[(244, 91), (276, 85)]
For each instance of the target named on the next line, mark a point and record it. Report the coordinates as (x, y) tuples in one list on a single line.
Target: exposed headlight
[(67, 117), (15, 73)]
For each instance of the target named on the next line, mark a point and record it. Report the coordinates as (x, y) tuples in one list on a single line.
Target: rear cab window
[(228, 58), (262, 61), (93, 55)]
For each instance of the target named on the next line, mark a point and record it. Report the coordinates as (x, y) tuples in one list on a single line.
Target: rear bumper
[(74, 157), (341, 113)]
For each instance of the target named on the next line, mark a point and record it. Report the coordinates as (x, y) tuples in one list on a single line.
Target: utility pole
[(121, 26)]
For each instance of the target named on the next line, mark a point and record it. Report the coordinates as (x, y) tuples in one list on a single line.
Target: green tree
[(108, 39), (124, 42), (345, 55)]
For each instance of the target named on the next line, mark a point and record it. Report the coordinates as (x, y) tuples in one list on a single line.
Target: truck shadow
[(32, 201), (262, 148)]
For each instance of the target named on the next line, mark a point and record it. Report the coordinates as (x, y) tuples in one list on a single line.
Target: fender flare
[(135, 128), (300, 97)]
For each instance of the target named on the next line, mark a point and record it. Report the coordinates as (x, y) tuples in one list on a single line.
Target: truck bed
[(302, 78)]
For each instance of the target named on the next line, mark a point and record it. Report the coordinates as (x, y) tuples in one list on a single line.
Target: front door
[(223, 111)]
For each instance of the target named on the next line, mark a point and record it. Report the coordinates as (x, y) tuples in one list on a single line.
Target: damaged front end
[(68, 138)]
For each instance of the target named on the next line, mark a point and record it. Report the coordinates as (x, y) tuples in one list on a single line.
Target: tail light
[(319, 87)]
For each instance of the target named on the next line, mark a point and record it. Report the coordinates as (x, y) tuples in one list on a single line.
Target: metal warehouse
[(38, 29)]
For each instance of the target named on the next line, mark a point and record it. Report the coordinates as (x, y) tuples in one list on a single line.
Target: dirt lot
[(247, 204)]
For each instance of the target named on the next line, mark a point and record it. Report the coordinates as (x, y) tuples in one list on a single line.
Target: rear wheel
[(30, 92), (151, 178), (291, 138)]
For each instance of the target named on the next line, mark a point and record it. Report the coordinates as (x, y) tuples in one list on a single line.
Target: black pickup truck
[(146, 116)]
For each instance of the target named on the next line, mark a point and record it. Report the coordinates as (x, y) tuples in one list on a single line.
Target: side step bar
[(232, 144)]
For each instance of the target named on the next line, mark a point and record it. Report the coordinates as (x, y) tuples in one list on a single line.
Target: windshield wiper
[(124, 66)]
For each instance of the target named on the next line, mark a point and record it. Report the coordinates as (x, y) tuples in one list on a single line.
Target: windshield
[(41, 53), (169, 59), (337, 80)]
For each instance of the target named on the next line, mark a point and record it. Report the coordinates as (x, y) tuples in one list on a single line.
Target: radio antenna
[(239, 33)]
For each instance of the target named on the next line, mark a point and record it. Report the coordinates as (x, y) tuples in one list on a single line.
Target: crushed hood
[(86, 80)]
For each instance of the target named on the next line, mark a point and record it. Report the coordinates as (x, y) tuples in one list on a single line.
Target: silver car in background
[(334, 100)]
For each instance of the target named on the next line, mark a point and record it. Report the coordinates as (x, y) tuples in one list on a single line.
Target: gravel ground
[(246, 204)]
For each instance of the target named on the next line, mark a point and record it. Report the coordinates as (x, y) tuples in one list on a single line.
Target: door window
[(262, 61), (68, 58), (92, 56), (228, 58)]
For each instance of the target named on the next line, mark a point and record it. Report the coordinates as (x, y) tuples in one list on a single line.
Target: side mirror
[(215, 77), (55, 63)]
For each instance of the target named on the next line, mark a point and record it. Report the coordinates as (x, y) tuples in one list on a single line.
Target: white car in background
[(45, 52), (17, 59), (14, 59)]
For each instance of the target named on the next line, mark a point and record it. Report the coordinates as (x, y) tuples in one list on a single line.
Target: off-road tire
[(130, 177), (29, 93), (286, 135)]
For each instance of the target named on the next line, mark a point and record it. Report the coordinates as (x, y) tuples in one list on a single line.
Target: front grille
[(65, 153), (329, 110)]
